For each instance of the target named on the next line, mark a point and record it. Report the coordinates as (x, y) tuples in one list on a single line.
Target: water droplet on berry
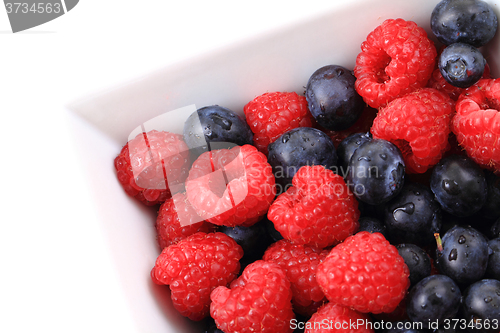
[(450, 186), (285, 138), (407, 208), (453, 255), (461, 239), (423, 306), (383, 156), (366, 158), (488, 299)]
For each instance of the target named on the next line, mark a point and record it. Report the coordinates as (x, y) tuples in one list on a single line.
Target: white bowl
[(282, 60)]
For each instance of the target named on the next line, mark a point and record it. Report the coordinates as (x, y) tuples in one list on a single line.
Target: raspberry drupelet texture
[(419, 124), (337, 318), (365, 273), (150, 163), (318, 210), (177, 220), (477, 123), (299, 263), (396, 58), (231, 187), (194, 267), (258, 301), (272, 114)]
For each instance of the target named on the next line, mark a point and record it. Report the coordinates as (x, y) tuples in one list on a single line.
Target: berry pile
[(368, 204)]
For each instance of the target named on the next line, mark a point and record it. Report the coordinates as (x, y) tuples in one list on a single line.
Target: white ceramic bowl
[(282, 60)]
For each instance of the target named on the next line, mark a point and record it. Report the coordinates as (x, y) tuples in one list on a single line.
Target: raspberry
[(177, 220), (231, 186), (366, 273), (419, 124), (194, 267), (145, 163), (299, 262), (258, 301), (396, 58), (337, 318), (477, 123), (318, 210), (272, 114)]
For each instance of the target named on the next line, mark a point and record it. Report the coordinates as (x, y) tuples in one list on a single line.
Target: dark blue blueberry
[(459, 185), (300, 147), (347, 147), (481, 305), (493, 269), (491, 208), (417, 260), (413, 216), (495, 229), (464, 21), (254, 240), (332, 99), (215, 127), (461, 64), (464, 256), (372, 225), (376, 172), (436, 297)]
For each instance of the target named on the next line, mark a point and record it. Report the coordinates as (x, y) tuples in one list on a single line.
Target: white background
[(51, 266)]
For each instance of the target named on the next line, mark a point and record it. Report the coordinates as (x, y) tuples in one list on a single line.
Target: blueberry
[(493, 268), (461, 65), (215, 127), (417, 260), (332, 99), (464, 255), (459, 185), (271, 230), (372, 225), (436, 297), (481, 305), (413, 216), (348, 146), (464, 21), (491, 208), (376, 172), (254, 240), (299, 147), (495, 229)]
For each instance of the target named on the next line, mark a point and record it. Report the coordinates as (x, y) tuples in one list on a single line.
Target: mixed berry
[(369, 204)]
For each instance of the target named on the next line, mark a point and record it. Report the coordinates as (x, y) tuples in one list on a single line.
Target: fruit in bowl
[(238, 188)]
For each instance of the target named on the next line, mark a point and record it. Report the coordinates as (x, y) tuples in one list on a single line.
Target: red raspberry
[(318, 210), (438, 82), (145, 163), (299, 262), (272, 114), (194, 267), (396, 58), (477, 123), (337, 318), (419, 124), (258, 301), (366, 273), (231, 186), (177, 220)]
